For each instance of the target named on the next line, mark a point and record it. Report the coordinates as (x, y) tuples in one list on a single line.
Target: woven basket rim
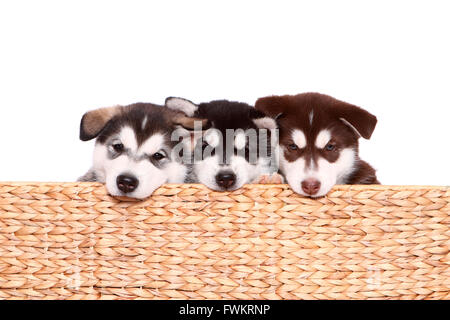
[(284, 185)]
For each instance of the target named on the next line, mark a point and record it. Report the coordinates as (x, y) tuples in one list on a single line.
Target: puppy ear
[(190, 123), (93, 122), (361, 121), (272, 106), (184, 114), (261, 120), (189, 128), (183, 105)]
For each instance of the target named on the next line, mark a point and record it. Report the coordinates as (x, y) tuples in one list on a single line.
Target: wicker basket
[(73, 241)]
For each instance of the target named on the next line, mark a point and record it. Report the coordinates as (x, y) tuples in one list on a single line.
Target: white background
[(59, 59)]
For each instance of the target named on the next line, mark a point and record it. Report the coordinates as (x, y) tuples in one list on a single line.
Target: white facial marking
[(240, 141), (128, 138), (149, 176), (265, 123), (182, 105), (213, 137), (323, 138), (144, 122), (207, 169), (327, 173), (299, 138), (176, 172), (152, 144), (311, 117)]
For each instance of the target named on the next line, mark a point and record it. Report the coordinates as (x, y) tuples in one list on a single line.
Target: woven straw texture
[(73, 241)]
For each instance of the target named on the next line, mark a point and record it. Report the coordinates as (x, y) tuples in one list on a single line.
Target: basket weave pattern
[(73, 241)]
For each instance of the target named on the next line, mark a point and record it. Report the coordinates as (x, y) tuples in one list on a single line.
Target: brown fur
[(94, 121), (345, 121), (187, 122)]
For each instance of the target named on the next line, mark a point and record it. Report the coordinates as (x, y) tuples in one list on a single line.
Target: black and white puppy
[(238, 148), (319, 141), (134, 147)]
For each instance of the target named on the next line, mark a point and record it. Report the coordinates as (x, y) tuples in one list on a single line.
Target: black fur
[(158, 121), (224, 114)]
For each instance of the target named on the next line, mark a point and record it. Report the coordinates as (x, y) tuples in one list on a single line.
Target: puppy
[(134, 149), (236, 149), (319, 141)]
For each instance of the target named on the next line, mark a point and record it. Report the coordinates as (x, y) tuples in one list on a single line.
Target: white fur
[(311, 117), (240, 140), (128, 138), (299, 138), (213, 137), (183, 105), (207, 169), (265, 123), (327, 173), (323, 138), (144, 122), (149, 176), (152, 145)]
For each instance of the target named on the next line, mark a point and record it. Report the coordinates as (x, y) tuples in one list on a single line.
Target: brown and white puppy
[(135, 147), (319, 141)]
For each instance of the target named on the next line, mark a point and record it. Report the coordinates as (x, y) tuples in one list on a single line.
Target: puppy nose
[(311, 186), (127, 183), (226, 179)]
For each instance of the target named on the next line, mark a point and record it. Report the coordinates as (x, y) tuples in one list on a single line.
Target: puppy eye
[(330, 147), (118, 147), (158, 156), (292, 146)]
